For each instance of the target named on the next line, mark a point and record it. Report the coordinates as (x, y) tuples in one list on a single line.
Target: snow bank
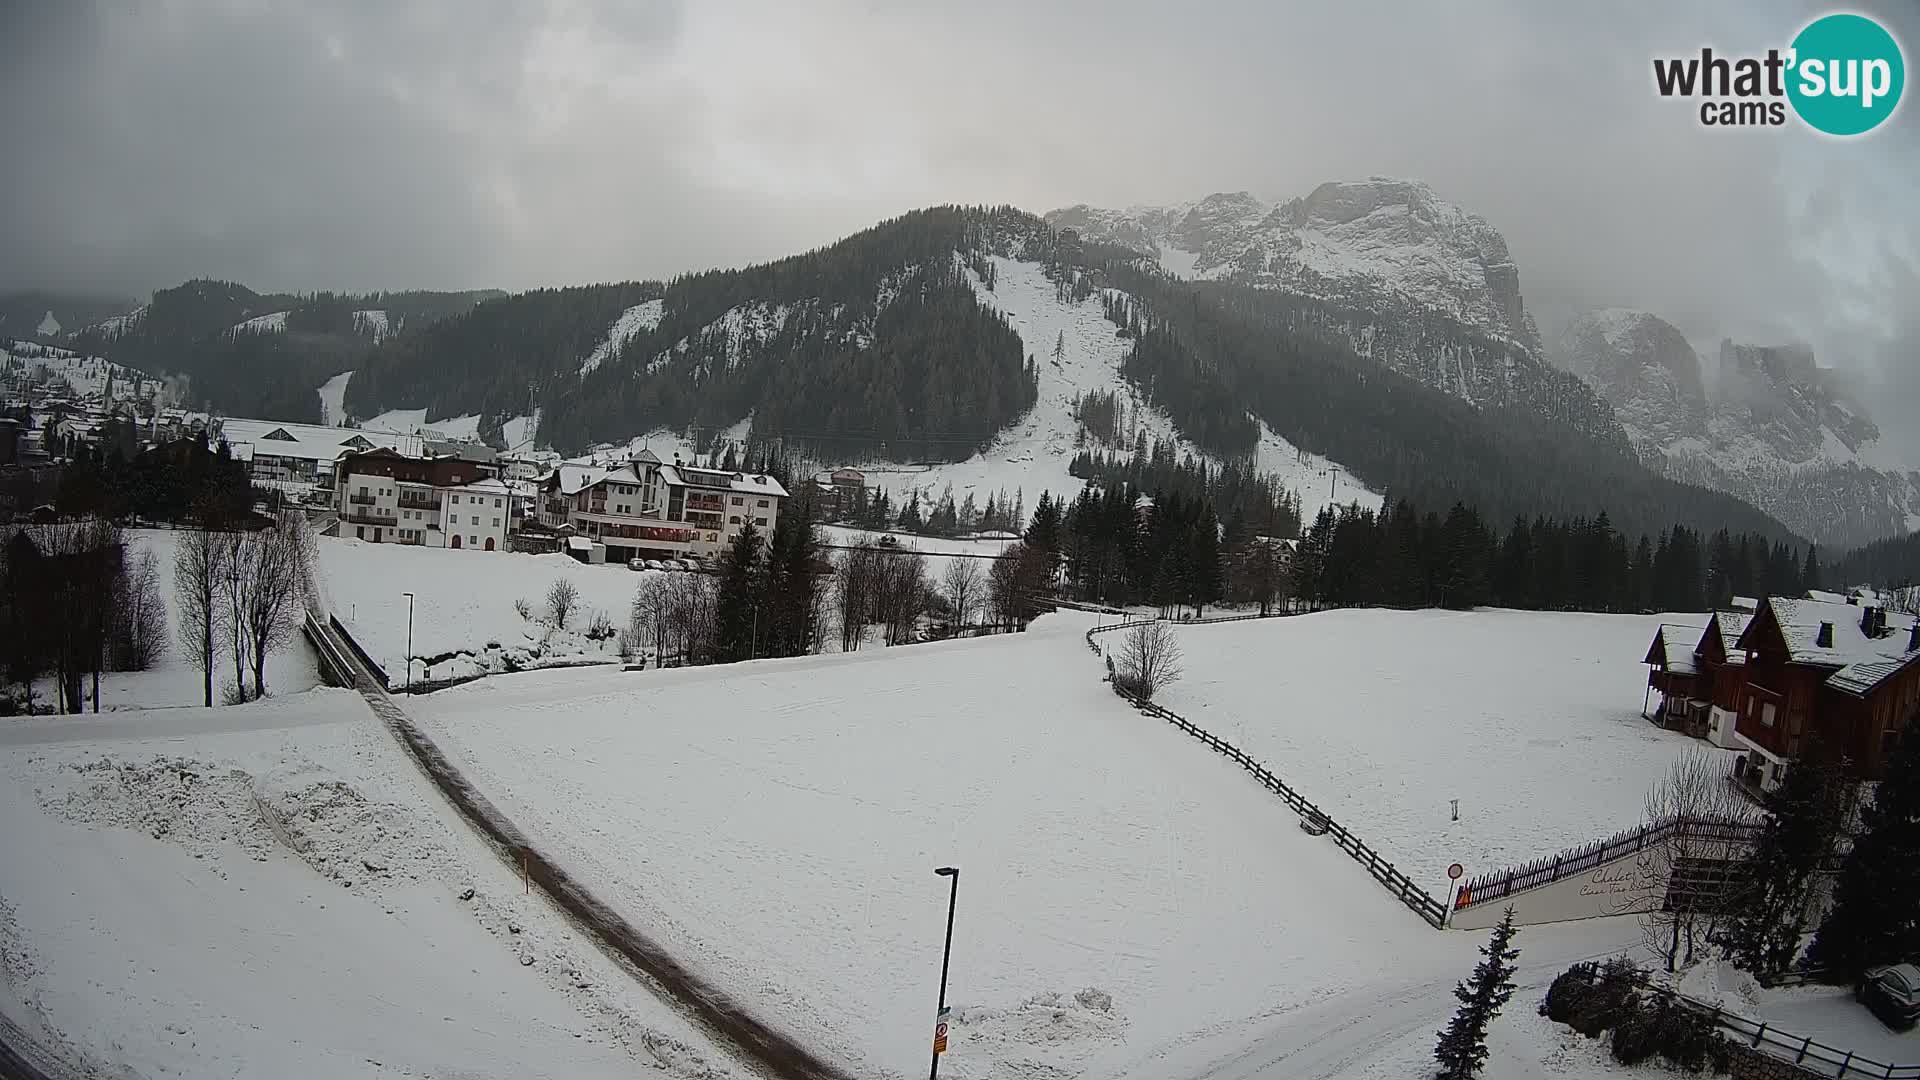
[(1530, 719), (241, 897), (778, 822)]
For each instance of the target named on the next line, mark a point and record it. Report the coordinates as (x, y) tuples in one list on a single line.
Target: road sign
[(940, 1032), (1454, 872)]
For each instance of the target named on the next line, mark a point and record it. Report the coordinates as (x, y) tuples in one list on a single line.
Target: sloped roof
[(1672, 647), (1862, 662)]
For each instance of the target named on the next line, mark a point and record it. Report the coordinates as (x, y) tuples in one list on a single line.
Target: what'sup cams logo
[(1842, 75)]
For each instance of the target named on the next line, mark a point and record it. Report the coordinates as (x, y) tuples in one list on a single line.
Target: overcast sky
[(378, 144)]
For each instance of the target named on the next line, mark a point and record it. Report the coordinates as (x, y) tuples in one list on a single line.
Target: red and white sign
[(940, 1033), (1454, 872)]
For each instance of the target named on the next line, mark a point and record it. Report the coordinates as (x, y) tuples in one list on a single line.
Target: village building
[(300, 456), (1839, 671), (647, 509), (386, 497), (1698, 674)]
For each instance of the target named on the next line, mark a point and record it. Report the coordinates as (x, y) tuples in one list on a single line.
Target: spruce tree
[(736, 608), (1463, 1045), (1875, 918), (1774, 885)]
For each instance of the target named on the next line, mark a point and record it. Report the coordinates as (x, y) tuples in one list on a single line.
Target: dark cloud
[(455, 143)]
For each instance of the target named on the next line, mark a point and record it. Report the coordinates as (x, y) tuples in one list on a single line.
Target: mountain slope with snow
[(1770, 426), (1378, 242)]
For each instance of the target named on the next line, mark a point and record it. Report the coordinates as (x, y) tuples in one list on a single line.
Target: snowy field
[(463, 604), (1530, 719), (1129, 903), (273, 890), (939, 552), (175, 680)]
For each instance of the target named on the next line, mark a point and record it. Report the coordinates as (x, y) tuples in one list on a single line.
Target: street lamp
[(408, 659), (940, 1018)]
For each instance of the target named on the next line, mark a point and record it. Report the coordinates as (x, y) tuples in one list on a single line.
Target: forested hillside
[(253, 354), (874, 344)]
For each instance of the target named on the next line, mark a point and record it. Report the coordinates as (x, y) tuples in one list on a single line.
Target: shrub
[(601, 628), (523, 609)]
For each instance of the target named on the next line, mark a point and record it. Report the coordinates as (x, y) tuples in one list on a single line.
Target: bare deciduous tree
[(198, 568), (562, 598), (1685, 875), (277, 565), (855, 575), (962, 581), (140, 627), (1149, 659)]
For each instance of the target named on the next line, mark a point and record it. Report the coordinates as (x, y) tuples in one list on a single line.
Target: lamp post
[(408, 659), (940, 1017)]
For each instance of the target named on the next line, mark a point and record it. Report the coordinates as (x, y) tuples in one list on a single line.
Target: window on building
[(496, 523), (496, 504), (456, 499), (1889, 739), (472, 540), (734, 520), (763, 504), (1767, 714), (760, 521), (476, 519), (738, 501)]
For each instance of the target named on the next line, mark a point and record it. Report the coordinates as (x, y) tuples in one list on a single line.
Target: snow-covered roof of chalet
[(1675, 643), (1860, 677), (1818, 596), (1800, 622), (575, 478), (311, 442), (487, 486), (744, 483), (1731, 624), (1745, 603)]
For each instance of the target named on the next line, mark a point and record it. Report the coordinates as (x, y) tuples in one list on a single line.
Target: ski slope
[(1530, 719), (273, 890), (333, 399), (641, 316), (1032, 455), (1124, 894)]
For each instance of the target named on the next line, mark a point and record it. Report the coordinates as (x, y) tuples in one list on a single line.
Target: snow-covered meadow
[(463, 606), (1530, 719), (273, 890), (1124, 893)]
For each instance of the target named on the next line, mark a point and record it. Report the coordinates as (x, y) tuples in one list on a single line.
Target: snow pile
[(1530, 719), (463, 606), (333, 399), (273, 323), (777, 824), (245, 898), (641, 316)]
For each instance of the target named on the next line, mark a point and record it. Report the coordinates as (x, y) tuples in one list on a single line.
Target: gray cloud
[(454, 143)]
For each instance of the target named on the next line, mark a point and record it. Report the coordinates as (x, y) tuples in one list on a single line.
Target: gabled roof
[(1672, 648), (1799, 622)]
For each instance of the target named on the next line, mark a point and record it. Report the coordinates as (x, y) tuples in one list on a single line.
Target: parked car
[(636, 564), (889, 540), (1892, 992)]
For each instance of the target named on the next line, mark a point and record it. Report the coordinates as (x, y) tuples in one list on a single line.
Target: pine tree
[(737, 607), (1774, 890), (1810, 573), (1874, 918), (1463, 1045)]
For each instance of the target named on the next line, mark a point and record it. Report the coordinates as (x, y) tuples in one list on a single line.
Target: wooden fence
[(1803, 1051), (1397, 883), (1499, 884)]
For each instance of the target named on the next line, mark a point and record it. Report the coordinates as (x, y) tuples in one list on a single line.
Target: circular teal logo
[(1847, 74)]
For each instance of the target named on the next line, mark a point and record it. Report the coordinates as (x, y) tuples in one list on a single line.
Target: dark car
[(1893, 993)]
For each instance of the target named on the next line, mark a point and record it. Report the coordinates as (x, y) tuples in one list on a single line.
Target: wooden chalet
[(1698, 673), (1845, 671)]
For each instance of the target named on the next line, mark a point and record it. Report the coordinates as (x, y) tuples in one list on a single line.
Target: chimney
[(1824, 639), (1866, 621), (1913, 636)]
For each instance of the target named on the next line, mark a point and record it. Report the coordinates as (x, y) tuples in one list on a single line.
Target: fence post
[(1802, 1055), (1848, 1060), (1760, 1034)]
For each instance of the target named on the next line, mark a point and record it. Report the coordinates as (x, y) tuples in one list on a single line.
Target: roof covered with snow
[(1863, 661), (312, 442), (1673, 645)]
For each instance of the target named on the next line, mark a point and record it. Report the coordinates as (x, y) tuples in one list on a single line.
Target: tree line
[(1401, 556)]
